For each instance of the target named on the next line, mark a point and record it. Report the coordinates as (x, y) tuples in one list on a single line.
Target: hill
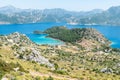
[(78, 36), (21, 59)]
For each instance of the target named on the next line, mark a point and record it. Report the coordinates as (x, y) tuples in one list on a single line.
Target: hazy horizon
[(78, 5)]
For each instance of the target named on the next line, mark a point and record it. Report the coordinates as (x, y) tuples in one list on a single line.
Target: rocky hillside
[(87, 58), (24, 48)]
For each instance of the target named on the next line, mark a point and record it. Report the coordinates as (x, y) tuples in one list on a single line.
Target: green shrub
[(21, 56), (49, 78), (37, 78), (61, 72)]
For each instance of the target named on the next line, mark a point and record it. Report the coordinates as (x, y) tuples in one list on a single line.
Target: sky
[(72, 5)]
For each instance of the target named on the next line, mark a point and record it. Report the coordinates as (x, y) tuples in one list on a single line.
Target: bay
[(110, 32)]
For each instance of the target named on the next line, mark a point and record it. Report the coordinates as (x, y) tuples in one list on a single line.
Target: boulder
[(106, 70)]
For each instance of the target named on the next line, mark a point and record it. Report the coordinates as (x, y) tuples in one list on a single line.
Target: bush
[(56, 66), (21, 56), (49, 78), (61, 72), (37, 78)]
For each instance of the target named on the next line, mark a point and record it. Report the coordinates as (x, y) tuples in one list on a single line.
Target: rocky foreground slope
[(89, 57), (24, 48)]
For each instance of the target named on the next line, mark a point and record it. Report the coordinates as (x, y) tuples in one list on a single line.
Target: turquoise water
[(43, 39), (110, 32)]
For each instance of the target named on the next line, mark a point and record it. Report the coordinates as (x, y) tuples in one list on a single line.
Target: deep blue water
[(110, 32)]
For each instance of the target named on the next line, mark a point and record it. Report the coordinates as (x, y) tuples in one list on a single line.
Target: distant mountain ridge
[(12, 15)]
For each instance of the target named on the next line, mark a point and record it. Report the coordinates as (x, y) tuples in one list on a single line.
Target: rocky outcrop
[(106, 70), (15, 38), (91, 39), (90, 34), (32, 54)]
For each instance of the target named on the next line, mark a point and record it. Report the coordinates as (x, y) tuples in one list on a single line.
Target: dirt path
[(50, 74)]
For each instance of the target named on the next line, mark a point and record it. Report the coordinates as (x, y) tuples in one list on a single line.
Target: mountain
[(12, 15)]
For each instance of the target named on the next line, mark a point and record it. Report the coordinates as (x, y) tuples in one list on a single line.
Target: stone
[(106, 70)]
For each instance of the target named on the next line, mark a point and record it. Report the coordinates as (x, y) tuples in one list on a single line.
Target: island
[(37, 32)]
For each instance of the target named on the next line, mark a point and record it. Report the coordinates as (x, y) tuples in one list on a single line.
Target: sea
[(110, 32)]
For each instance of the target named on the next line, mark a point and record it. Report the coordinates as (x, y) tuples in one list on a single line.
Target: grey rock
[(106, 70), (35, 56)]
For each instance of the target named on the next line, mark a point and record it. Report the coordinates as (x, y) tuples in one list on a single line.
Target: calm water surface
[(110, 32)]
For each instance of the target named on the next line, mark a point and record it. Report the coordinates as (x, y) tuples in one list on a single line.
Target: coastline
[(45, 40)]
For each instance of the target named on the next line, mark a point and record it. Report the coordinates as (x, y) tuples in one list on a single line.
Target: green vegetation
[(73, 35), (62, 33), (86, 64), (49, 78), (7, 67)]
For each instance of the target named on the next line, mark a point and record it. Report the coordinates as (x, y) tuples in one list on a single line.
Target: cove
[(110, 32), (44, 40)]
